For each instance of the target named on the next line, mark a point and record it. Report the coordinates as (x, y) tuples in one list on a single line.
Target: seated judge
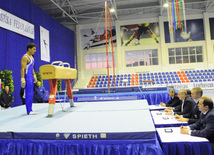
[(204, 127), (174, 101), (185, 105), (6, 98), (196, 94), (39, 93)]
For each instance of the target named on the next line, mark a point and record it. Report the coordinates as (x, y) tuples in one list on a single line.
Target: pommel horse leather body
[(53, 73)]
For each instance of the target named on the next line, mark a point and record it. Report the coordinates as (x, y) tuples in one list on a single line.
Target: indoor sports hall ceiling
[(73, 12)]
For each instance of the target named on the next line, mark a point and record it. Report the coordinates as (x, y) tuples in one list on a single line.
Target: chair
[(190, 71), (170, 72), (166, 82), (197, 71), (178, 72), (183, 81), (174, 81), (167, 73), (186, 72), (191, 81), (185, 78), (155, 74), (196, 80), (209, 80), (163, 73), (181, 78), (193, 71), (157, 82), (204, 80), (169, 79), (208, 74)]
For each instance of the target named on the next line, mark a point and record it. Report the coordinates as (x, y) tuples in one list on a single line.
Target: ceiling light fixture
[(165, 5), (112, 10)]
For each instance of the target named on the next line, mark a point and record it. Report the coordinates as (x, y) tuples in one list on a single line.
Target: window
[(185, 55), (98, 61), (141, 58)]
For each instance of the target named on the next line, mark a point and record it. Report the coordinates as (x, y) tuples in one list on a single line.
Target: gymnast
[(28, 76)]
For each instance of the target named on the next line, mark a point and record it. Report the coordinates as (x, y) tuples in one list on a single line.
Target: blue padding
[(86, 136), (6, 135), (81, 147)]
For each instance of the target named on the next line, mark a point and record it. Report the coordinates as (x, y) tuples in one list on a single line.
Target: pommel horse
[(53, 73)]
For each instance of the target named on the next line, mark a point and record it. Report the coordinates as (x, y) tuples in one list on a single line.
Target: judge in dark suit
[(185, 105), (204, 127), (174, 99), (196, 94)]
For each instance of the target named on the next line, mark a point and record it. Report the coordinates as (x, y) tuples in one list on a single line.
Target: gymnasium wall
[(163, 57), (13, 45)]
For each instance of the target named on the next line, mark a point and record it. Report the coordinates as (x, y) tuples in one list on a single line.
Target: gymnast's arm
[(23, 66)]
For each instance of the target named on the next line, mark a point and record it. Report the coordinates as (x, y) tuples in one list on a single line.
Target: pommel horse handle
[(53, 73)]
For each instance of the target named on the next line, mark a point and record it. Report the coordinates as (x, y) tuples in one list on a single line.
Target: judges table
[(162, 120), (156, 107), (175, 143)]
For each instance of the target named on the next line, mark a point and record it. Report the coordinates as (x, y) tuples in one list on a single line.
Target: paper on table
[(176, 136)]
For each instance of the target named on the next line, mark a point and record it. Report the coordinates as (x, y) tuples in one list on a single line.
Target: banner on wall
[(140, 34), (16, 24), (95, 38), (44, 44), (194, 32)]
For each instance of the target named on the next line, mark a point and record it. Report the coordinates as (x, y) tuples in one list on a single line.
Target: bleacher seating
[(157, 78)]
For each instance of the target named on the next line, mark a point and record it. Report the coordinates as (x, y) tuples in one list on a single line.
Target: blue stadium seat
[(209, 80), (117, 84), (204, 80), (156, 76), (200, 80), (206, 77), (167, 73), (159, 73), (129, 75), (200, 74), (164, 76), (192, 74), (172, 75), (169, 79), (97, 86), (170, 72), (140, 78), (163, 73), (212, 73), (190, 71), (174, 72), (204, 74), (101, 82), (99, 76), (155, 73), (160, 76), (157, 82), (100, 85), (168, 76), (196, 80), (121, 78), (144, 74), (128, 84), (105, 82), (202, 71), (140, 74), (125, 75), (162, 82), (196, 74), (208, 74), (98, 79), (193, 71), (190, 78), (165, 79), (141, 83), (118, 76), (174, 81), (121, 75), (153, 79), (151, 73), (98, 82), (177, 79), (186, 72), (197, 71), (191, 81), (166, 82), (193, 77), (205, 70), (121, 82), (198, 77)]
